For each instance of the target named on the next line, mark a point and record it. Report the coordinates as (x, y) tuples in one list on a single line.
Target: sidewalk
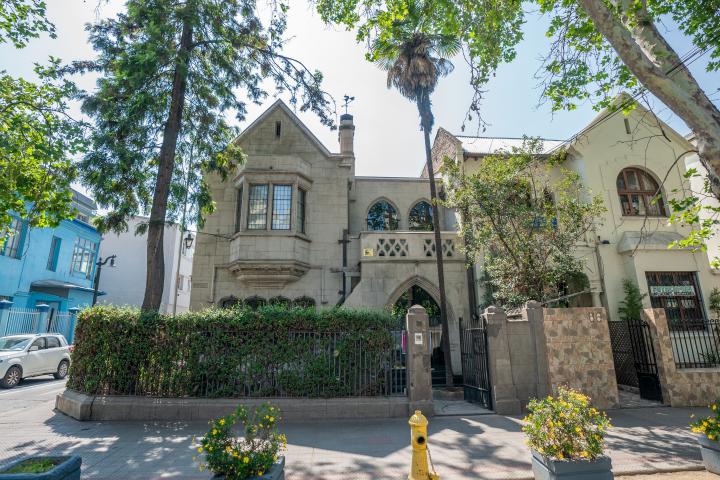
[(462, 447)]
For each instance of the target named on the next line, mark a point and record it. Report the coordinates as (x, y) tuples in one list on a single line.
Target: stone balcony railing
[(268, 259), (408, 245)]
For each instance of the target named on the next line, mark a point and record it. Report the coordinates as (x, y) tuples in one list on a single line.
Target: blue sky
[(388, 141)]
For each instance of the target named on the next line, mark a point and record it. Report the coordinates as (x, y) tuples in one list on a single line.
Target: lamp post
[(188, 240), (99, 265)]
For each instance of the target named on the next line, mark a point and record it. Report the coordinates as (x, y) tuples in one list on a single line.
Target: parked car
[(23, 356)]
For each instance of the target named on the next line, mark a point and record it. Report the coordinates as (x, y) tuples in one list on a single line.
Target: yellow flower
[(272, 419), (222, 421), (246, 459), (711, 437), (714, 407), (228, 449), (199, 449), (214, 431), (260, 473), (578, 429)]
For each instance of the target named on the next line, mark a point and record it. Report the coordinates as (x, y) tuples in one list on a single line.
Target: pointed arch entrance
[(414, 292)]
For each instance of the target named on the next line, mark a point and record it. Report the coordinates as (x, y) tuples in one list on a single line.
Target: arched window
[(637, 190), (279, 301), (255, 302), (229, 302), (304, 302), (420, 217), (382, 216)]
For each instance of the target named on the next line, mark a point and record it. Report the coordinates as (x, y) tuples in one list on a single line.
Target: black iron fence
[(623, 354), (696, 344), (233, 363)]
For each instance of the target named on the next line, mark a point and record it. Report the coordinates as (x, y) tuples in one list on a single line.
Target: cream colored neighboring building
[(296, 224), (631, 240)]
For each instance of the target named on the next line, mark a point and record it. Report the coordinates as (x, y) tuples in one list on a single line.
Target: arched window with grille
[(229, 302), (382, 216), (639, 194), (421, 217)]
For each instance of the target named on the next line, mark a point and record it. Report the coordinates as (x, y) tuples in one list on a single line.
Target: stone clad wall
[(686, 387), (579, 353), (531, 355)]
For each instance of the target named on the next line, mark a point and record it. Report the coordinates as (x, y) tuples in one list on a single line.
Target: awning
[(62, 285), (631, 241)]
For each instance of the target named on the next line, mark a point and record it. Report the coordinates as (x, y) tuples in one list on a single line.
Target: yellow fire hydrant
[(418, 438)]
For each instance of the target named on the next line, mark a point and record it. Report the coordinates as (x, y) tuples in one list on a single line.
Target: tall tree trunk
[(426, 121), (647, 54), (155, 276)]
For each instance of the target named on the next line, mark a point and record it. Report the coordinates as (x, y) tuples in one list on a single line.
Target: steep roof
[(493, 145), (279, 104)]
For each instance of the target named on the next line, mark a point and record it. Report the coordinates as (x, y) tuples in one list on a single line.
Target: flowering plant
[(709, 426), (566, 427), (253, 453)]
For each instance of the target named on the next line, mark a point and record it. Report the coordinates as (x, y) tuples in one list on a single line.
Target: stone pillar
[(662, 347), (534, 314), (71, 324), (42, 322), (5, 306), (504, 394), (419, 379)]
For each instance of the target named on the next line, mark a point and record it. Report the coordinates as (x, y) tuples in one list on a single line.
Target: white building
[(124, 283)]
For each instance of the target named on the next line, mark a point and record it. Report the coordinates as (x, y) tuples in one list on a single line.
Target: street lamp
[(99, 264), (189, 241)]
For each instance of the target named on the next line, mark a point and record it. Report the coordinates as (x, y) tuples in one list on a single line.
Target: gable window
[(54, 254), (421, 217), (257, 208), (301, 210), (83, 258), (12, 246), (382, 216), (637, 191), (282, 201)]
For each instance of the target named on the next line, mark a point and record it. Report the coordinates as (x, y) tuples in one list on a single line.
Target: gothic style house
[(295, 224)]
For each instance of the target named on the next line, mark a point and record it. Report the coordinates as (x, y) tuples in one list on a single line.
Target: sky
[(388, 140)]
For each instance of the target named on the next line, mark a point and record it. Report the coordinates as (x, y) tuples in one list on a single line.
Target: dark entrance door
[(473, 354), (644, 359), (417, 295)]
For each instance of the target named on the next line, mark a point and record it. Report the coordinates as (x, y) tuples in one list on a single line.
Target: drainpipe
[(344, 243)]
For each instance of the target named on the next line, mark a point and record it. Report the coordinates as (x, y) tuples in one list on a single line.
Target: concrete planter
[(276, 472), (710, 451), (547, 469), (67, 469)]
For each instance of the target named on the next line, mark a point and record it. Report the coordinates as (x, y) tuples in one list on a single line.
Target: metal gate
[(474, 359), (634, 357)]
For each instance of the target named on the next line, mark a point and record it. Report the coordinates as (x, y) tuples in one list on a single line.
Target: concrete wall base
[(128, 408)]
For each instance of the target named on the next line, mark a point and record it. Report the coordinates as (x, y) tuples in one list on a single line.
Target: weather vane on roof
[(348, 100)]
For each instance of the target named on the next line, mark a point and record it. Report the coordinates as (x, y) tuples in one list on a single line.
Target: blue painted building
[(55, 266)]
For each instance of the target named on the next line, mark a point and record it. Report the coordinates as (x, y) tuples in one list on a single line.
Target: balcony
[(406, 245), (268, 260)]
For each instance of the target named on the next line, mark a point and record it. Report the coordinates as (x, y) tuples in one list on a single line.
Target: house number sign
[(418, 339), (368, 252)]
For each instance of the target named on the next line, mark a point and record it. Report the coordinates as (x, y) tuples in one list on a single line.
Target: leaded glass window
[(421, 217), (382, 216), (257, 208), (282, 203), (301, 210)]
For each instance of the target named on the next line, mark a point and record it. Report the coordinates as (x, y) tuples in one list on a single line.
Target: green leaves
[(37, 140), (274, 351), (21, 20), (523, 214)]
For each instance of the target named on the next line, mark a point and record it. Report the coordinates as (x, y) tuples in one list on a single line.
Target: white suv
[(23, 356)]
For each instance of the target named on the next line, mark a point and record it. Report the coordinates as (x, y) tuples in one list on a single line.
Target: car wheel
[(62, 370), (12, 377)]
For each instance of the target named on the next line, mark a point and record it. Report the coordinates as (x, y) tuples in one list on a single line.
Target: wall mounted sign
[(418, 339), (672, 291), (368, 252)]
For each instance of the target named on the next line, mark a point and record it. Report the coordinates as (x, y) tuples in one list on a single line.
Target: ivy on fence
[(274, 351)]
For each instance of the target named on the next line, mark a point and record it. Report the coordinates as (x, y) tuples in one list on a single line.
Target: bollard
[(418, 438)]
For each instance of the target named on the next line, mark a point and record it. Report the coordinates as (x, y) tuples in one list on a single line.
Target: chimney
[(346, 134)]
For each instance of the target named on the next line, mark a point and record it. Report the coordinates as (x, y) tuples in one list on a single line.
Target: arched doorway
[(416, 295)]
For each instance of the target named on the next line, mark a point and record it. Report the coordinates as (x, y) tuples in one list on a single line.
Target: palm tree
[(414, 61)]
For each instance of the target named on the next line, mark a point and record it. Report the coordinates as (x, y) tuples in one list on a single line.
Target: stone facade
[(681, 387)]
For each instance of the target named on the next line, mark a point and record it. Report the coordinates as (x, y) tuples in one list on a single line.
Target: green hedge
[(269, 352)]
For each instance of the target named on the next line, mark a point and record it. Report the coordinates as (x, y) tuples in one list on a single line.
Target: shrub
[(237, 352), (631, 306), (242, 457), (709, 426), (566, 427)]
